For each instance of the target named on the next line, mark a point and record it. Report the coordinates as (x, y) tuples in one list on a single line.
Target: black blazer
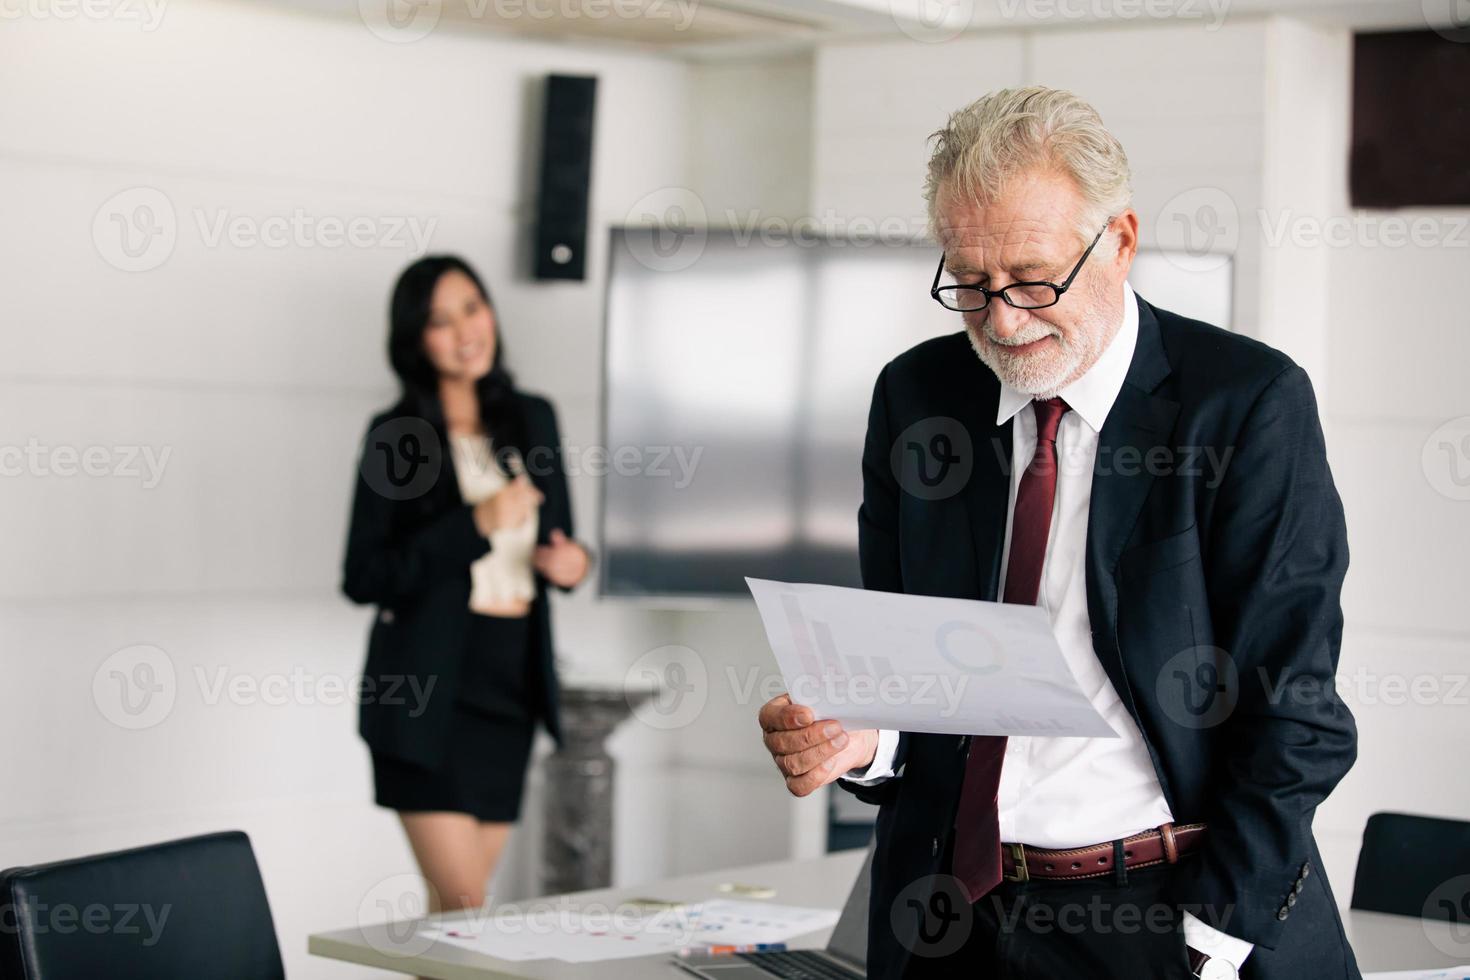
[(409, 549), (1182, 556)]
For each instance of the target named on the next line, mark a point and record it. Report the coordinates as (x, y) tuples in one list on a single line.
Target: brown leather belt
[(1019, 862)]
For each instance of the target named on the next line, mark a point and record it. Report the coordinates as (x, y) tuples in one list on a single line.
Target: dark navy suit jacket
[(1197, 574)]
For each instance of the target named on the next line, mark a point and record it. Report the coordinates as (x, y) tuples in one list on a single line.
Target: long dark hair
[(408, 317)]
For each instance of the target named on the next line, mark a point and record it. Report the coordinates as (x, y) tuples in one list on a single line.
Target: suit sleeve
[(387, 569), (1277, 554), (878, 552)]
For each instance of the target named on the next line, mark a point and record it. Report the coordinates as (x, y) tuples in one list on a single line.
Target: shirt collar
[(1092, 395)]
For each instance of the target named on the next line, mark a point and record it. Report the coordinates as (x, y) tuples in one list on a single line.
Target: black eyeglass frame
[(1058, 289)]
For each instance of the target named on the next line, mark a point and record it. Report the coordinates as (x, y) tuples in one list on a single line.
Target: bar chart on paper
[(918, 663)]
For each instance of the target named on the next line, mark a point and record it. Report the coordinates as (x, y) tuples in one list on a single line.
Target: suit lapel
[(1139, 420), (987, 492)]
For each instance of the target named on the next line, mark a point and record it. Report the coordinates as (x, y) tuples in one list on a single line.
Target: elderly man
[(1170, 506)]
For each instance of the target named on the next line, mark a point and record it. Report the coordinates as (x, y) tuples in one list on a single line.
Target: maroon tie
[(977, 825)]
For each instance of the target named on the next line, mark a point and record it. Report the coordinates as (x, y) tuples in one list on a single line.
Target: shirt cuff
[(1214, 943), (881, 767)]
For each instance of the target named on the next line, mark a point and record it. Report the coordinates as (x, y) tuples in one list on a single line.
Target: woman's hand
[(511, 507), (563, 562)]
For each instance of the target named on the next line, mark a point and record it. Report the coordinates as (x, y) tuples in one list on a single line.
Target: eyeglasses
[(1030, 295)]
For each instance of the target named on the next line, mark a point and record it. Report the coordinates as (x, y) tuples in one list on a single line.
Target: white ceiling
[(720, 29)]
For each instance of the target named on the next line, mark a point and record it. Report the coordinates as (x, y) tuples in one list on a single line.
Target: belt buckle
[(1018, 856)]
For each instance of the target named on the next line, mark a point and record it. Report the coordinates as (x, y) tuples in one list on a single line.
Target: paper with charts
[(586, 935), (922, 663)]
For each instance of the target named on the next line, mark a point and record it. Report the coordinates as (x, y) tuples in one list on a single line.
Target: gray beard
[(1078, 358), (1024, 382)]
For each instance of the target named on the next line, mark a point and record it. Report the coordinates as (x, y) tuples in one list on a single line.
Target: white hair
[(1000, 136)]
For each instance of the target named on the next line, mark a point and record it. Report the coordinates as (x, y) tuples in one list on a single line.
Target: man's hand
[(811, 754)]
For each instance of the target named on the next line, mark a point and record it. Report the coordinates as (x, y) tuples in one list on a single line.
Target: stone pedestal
[(576, 853)]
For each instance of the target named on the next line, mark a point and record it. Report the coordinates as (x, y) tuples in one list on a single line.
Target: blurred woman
[(460, 521)]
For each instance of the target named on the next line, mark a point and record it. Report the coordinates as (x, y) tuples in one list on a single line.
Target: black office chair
[(181, 910), (1412, 865)]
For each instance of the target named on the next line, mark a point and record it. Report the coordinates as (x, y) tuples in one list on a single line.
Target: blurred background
[(204, 204)]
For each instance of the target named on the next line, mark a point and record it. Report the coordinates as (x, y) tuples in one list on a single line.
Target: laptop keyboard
[(800, 965)]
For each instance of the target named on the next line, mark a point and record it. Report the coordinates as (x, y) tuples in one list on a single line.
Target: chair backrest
[(1409, 865), (184, 909)]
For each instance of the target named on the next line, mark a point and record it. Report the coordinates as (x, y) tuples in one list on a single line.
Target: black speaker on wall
[(566, 178)]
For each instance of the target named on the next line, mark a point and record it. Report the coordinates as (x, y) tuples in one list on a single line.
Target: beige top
[(504, 573)]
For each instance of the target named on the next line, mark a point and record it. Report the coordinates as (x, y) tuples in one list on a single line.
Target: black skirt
[(483, 772)]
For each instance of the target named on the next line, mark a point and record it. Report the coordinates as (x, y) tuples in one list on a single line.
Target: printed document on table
[(922, 663), (594, 934)]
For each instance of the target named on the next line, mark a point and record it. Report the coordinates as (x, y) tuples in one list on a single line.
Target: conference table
[(1381, 942)]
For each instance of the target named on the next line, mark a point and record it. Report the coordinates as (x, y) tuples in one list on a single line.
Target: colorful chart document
[(921, 663)]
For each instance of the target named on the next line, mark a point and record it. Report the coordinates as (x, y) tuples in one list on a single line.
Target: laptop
[(844, 958)]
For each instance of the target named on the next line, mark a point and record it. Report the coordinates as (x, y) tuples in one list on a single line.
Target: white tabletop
[(1385, 942), (819, 883), (1381, 942)]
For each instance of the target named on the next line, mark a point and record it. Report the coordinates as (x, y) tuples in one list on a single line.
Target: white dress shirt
[(1068, 792), (504, 573)]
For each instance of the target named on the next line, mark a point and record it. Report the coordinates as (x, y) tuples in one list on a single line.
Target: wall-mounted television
[(737, 376)]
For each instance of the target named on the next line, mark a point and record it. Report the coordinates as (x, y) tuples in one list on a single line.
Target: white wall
[(1398, 413), (255, 369), (1190, 145), (750, 138)]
